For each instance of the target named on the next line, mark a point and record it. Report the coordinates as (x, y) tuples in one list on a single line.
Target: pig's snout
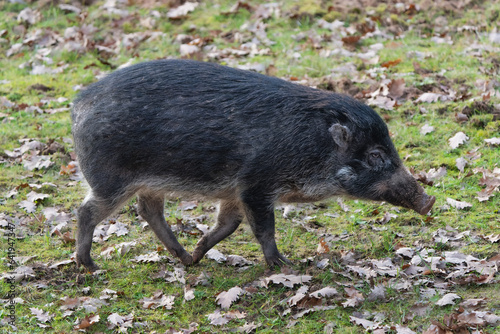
[(426, 204)]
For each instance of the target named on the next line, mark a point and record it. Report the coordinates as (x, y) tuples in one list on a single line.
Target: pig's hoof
[(89, 264), (186, 259), (278, 260), (197, 256)]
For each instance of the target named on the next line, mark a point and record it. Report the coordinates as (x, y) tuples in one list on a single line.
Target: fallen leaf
[(390, 63), (426, 129), (301, 294), (248, 327), (458, 139), (461, 163), (325, 292), (117, 228), (434, 329), (355, 298), (287, 280), (383, 102), (218, 318), (322, 247), (367, 324), (158, 300), (214, 254), (493, 141), (122, 322), (28, 206), (188, 294), (457, 204), (473, 303), (396, 88), (432, 97), (41, 315), (238, 261), (147, 258), (448, 299), (377, 294), (403, 330), (188, 205), (181, 11), (226, 298), (87, 322), (351, 40)]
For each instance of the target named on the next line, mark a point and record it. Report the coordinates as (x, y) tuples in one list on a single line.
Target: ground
[(429, 68)]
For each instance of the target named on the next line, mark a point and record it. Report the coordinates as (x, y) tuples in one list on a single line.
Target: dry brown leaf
[(150, 257), (158, 300), (301, 293), (214, 254), (87, 322), (287, 280), (236, 8), (432, 97), (403, 330), (226, 298), (461, 163), (458, 139), (238, 261), (391, 63), (325, 292), (448, 299), (122, 322), (41, 315), (457, 204), (322, 247), (493, 141), (484, 194), (217, 318), (492, 238), (383, 102), (249, 327), (182, 11), (396, 88), (355, 298), (70, 169), (426, 129), (188, 205), (66, 237), (434, 329), (377, 294), (367, 324), (431, 176), (351, 40), (461, 118), (473, 303)]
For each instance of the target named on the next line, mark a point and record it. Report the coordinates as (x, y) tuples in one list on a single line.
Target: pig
[(184, 128)]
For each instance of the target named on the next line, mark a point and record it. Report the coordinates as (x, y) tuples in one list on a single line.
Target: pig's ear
[(341, 135)]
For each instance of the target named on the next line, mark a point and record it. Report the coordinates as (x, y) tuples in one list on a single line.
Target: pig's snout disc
[(427, 207)]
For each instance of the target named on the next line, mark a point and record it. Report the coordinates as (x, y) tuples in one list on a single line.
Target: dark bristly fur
[(184, 128)]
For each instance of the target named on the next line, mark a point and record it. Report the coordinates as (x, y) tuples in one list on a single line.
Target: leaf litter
[(433, 270)]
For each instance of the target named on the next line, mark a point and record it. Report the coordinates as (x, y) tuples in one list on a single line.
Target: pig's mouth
[(426, 204)]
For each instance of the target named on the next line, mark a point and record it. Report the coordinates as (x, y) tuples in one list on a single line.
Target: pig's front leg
[(260, 215)]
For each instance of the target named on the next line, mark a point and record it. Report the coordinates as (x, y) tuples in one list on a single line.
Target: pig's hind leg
[(228, 220), (151, 208), (92, 211)]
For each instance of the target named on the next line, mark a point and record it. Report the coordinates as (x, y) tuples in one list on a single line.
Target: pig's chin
[(422, 204)]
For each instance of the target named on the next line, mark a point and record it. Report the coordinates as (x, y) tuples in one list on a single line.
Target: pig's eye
[(375, 158)]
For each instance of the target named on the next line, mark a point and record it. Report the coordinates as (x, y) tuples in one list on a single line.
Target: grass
[(358, 230)]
